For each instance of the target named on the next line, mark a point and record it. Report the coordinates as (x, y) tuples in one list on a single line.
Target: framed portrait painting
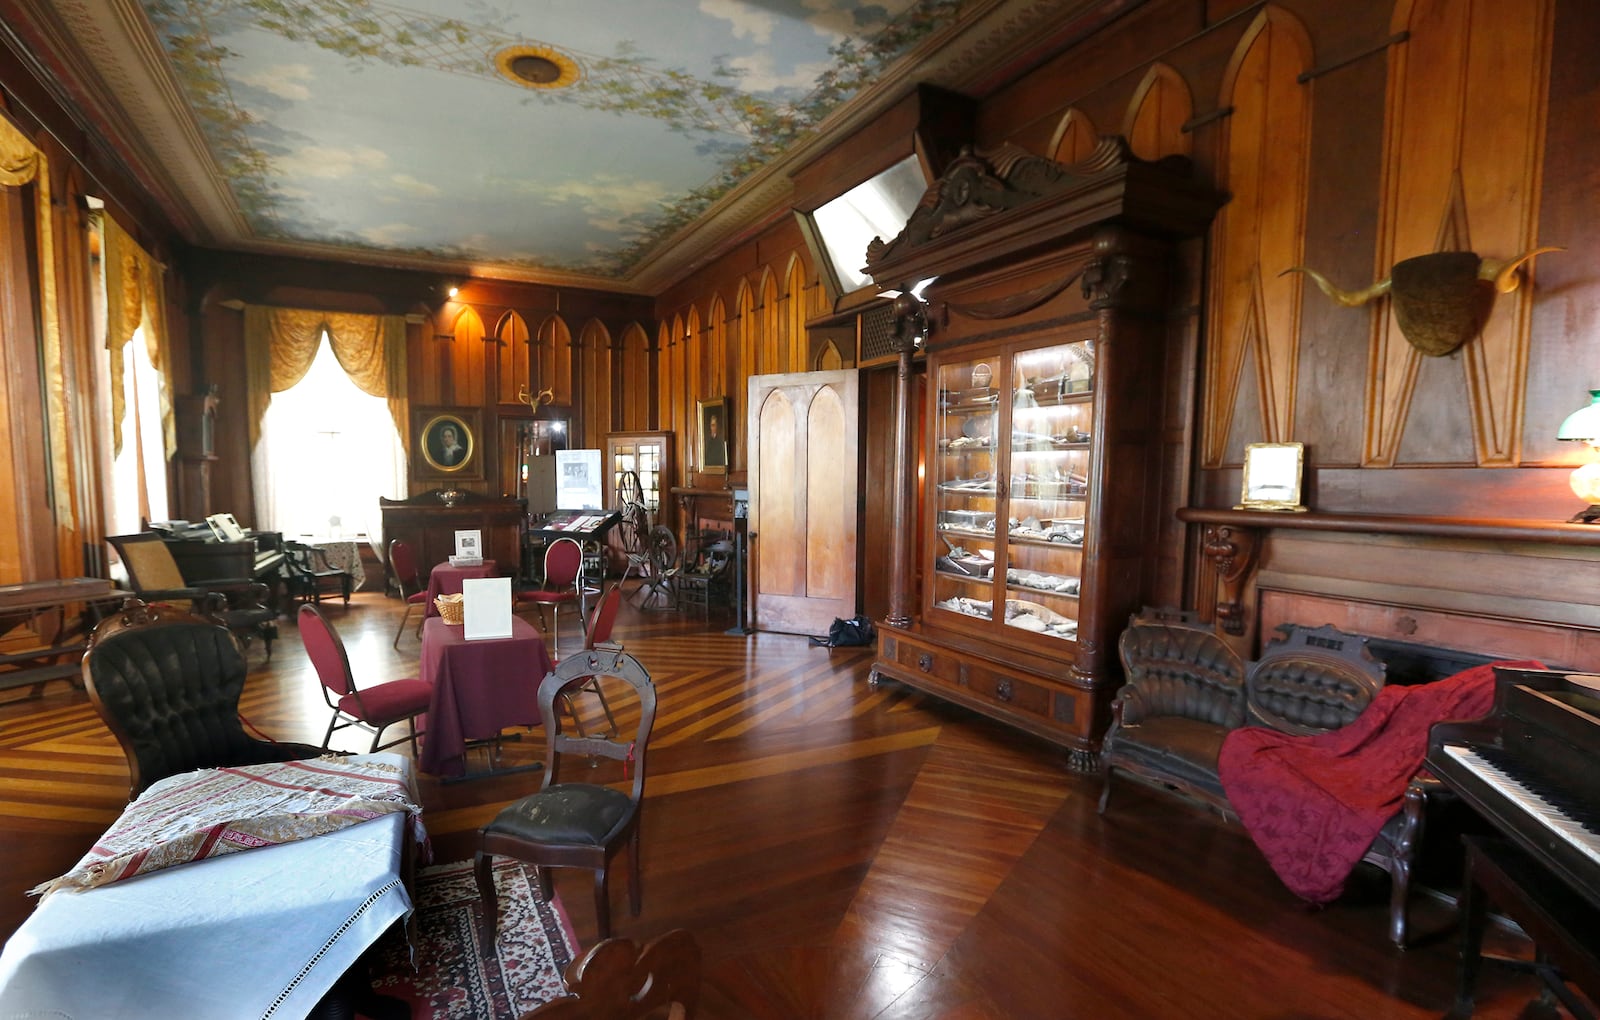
[(715, 435), (446, 443)]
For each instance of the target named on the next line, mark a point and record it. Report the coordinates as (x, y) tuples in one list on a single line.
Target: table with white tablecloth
[(259, 933)]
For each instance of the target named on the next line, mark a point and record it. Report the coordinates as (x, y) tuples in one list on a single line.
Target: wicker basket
[(450, 608)]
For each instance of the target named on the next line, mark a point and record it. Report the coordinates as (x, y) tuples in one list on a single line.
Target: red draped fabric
[(1314, 804)]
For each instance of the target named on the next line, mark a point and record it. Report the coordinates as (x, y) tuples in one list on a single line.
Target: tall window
[(139, 471), (327, 452)]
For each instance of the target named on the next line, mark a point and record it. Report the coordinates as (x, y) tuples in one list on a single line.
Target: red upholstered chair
[(577, 825), (563, 565), (375, 708), (404, 564)]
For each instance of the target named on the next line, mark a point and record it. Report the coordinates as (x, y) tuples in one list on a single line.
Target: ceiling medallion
[(537, 67)]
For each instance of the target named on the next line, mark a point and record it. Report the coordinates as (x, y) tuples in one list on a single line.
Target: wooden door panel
[(782, 526), (830, 500), (803, 499)]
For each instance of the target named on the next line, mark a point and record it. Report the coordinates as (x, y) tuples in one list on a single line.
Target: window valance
[(281, 343)]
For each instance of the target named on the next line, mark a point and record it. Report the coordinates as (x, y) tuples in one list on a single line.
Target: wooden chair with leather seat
[(240, 604), (403, 563), (167, 681), (617, 980), (578, 825), (375, 708)]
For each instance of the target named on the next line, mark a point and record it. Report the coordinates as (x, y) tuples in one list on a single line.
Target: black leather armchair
[(167, 683)]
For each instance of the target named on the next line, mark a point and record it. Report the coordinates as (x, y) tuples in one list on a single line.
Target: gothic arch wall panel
[(1464, 131), (1254, 322)]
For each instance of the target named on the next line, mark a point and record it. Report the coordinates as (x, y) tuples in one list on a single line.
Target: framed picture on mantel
[(1272, 477), (446, 443)]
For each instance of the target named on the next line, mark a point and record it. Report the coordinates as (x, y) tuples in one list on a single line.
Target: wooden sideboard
[(429, 524)]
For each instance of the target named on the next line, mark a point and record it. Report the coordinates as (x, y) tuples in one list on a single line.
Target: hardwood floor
[(844, 852)]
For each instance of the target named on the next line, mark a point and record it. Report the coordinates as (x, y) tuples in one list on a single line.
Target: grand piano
[(1529, 768)]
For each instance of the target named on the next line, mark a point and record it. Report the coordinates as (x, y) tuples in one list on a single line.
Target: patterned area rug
[(458, 973)]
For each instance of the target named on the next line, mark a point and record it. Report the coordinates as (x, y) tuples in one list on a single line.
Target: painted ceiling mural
[(570, 135)]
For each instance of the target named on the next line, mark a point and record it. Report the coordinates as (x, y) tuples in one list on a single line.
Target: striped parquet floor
[(841, 851)]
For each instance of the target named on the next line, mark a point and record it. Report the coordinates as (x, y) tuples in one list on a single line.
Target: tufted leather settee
[(1186, 689), (167, 684)]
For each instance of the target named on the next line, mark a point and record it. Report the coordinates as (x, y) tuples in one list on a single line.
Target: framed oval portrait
[(447, 442)]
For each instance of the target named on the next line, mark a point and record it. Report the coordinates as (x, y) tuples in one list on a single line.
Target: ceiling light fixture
[(537, 67)]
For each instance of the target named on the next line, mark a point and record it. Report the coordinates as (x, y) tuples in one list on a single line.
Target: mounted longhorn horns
[(1441, 300)]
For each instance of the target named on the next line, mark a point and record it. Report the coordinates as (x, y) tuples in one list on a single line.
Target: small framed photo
[(447, 441), (716, 434), (1272, 476)]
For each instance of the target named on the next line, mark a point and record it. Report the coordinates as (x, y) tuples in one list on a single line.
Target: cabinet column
[(909, 324)]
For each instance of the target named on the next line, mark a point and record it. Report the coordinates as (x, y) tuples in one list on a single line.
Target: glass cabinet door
[(965, 488), (1052, 410)]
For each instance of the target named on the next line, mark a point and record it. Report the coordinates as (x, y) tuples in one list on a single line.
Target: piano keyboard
[(1560, 819)]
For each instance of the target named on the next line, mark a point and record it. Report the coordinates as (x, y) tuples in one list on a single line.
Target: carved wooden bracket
[(1233, 552)]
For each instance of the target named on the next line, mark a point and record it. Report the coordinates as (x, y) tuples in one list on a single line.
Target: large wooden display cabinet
[(1046, 335)]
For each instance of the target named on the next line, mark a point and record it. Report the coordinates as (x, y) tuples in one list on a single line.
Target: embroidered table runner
[(212, 812)]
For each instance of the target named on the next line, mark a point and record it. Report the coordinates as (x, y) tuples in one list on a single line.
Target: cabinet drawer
[(934, 662), (1011, 691)]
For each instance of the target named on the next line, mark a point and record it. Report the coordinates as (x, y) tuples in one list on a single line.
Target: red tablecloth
[(479, 688), (446, 580)]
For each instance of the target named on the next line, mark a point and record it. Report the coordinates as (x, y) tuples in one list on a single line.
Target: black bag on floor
[(858, 630)]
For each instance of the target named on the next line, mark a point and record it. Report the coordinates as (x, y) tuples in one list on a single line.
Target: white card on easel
[(486, 607), (469, 544)]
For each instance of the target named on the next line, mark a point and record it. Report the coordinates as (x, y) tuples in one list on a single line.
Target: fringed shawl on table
[(212, 812)]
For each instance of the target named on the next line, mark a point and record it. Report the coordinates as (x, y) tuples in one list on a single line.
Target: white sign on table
[(469, 545), (486, 607)]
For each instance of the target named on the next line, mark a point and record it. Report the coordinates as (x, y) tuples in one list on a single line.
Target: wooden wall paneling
[(597, 380), (876, 553), (1161, 106), (470, 363), (1096, 76), (770, 310), (714, 363), (743, 359), (1345, 156), (1564, 357), (666, 373), (1464, 182), (1258, 234), (793, 347), (511, 357), (1075, 138), (694, 385), (550, 360), (636, 396)]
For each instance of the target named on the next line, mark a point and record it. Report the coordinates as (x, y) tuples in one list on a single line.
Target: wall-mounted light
[(1583, 426), (453, 290)]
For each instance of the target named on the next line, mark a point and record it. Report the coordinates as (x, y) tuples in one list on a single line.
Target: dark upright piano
[(202, 556), (1531, 769)]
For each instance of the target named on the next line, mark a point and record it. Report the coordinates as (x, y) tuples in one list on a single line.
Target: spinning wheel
[(661, 567)]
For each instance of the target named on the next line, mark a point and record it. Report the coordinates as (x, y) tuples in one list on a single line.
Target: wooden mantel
[(1232, 541)]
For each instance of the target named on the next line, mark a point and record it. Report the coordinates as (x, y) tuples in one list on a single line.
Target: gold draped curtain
[(21, 163), (135, 297), (281, 343)]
